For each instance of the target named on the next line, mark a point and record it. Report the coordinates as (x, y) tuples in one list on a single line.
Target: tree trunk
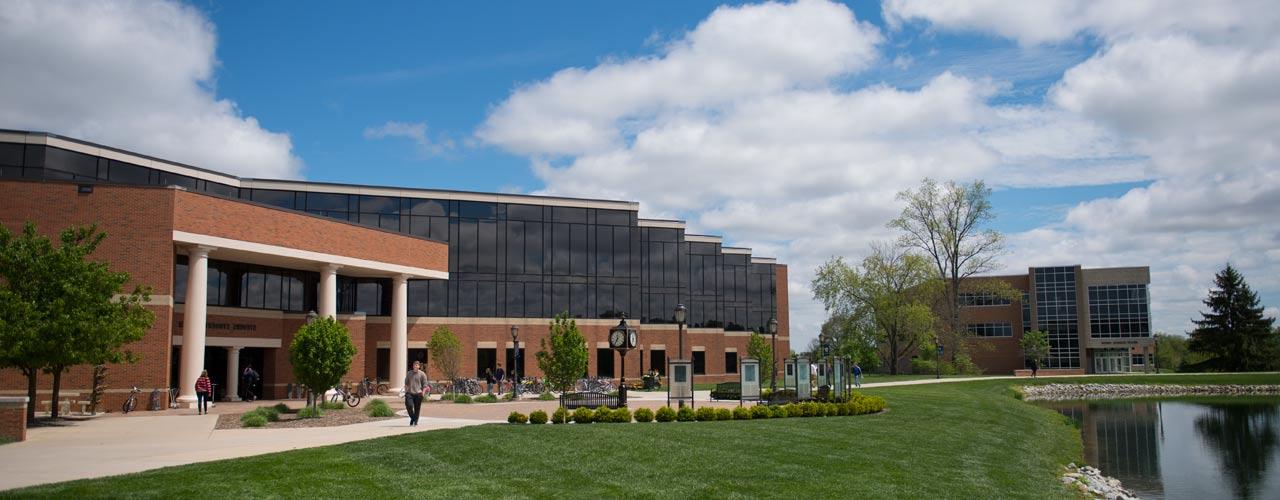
[(31, 374), (57, 382), (893, 354)]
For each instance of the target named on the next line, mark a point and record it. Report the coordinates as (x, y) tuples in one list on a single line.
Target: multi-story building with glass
[(1097, 320), (393, 264)]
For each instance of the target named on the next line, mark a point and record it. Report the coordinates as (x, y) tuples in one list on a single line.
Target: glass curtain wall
[(1056, 311)]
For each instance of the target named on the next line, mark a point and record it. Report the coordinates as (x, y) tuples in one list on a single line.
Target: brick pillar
[(13, 418)]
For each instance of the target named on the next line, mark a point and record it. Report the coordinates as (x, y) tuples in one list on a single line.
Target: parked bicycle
[(132, 401), (533, 385), (344, 391), (368, 388), (599, 384), (467, 386)]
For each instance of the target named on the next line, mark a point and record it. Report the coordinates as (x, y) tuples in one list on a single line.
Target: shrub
[(582, 416), (379, 408), (547, 396), (705, 414), (685, 414), (253, 419), (760, 411), (665, 414), (620, 416), (282, 408), (560, 416), (794, 410), (332, 405), (517, 418), (724, 414), (742, 413), (778, 411), (267, 412), (462, 398), (510, 396), (831, 409), (538, 417), (310, 412), (644, 415), (927, 366), (486, 398), (602, 415), (809, 409)]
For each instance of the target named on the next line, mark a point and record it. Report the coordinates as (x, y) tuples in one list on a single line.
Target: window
[(991, 329), (1119, 311), (699, 363), (486, 358), (982, 299), (604, 363), (1055, 289), (731, 362), (658, 361)]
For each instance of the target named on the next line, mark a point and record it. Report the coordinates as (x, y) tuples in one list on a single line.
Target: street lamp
[(515, 362), (680, 313), (311, 316), (773, 364), (938, 362)]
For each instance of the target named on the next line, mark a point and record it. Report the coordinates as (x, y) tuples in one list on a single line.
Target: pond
[(1183, 448)]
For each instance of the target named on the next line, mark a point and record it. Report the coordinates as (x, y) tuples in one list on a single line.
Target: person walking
[(488, 380), (1035, 366), (499, 376), (415, 385), (204, 393), (857, 375), (247, 379)]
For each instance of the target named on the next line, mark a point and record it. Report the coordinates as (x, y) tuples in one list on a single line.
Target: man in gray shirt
[(415, 386)]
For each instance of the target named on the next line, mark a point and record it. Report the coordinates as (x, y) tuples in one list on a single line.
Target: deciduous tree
[(1035, 346), (446, 351), (760, 348), (563, 354), (321, 354)]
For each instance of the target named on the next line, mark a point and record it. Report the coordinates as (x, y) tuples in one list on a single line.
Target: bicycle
[(132, 401), (173, 398), (601, 384), (343, 391), (467, 386), (367, 388)]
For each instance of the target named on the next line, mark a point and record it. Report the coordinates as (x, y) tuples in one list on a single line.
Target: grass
[(957, 440)]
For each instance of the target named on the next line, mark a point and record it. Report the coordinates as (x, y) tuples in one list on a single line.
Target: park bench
[(727, 390)]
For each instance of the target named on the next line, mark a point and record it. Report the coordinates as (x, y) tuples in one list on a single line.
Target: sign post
[(680, 386), (803, 388), (749, 378)]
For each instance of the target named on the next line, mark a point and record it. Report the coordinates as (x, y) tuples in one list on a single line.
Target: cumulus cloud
[(416, 132), (135, 74), (786, 159)]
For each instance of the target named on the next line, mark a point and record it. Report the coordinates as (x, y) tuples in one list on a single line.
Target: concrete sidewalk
[(111, 446)]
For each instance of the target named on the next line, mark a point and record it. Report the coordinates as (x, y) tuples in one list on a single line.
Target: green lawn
[(959, 440)]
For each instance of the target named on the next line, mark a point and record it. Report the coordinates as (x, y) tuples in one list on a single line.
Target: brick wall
[(13, 418)]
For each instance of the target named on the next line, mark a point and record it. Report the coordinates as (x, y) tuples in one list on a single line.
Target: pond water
[(1183, 448)]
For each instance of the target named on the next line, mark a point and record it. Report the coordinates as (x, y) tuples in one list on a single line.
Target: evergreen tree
[(1234, 334)]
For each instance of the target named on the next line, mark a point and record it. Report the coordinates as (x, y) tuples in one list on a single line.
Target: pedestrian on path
[(488, 380), (499, 377), (1035, 367), (857, 375), (415, 385), (204, 392)]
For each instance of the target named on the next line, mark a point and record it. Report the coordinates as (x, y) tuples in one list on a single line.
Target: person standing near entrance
[(1035, 367), (247, 379), (415, 385), (857, 375), (204, 393), (488, 380), (499, 377)]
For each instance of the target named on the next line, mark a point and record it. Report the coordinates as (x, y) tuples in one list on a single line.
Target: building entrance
[(1111, 361)]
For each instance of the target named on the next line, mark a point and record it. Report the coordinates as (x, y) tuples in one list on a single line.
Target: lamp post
[(680, 313), (773, 363), (515, 362), (311, 316), (622, 338), (938, 362), (825, 341)]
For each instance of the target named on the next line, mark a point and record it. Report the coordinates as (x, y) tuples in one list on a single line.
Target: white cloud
[(416, 132), (798, 167), (133, 74)]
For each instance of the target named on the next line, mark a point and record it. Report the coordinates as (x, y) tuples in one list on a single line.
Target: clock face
[(616, 338), (632, 340)]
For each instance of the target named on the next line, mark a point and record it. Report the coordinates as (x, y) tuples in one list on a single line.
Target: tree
[(1171, 351), (321, 354), (945, 224), (446, 350), (61, 310), (563, 354), (855, 339), (893, 291), (760, 348), (1234, 334), (1035, 346)]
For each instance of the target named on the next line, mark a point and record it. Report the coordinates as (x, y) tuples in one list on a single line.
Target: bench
[(575, 400)]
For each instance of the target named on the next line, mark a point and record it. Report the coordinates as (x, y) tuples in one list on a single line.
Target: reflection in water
[(1245, 438), (1183, 448)]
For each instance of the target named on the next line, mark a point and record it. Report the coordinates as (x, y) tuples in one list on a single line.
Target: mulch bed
[(330, 418)]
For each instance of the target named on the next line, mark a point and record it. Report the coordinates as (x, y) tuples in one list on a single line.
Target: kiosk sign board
[(803, 388), (680, 386), (749, 377), (788, 380), (837, 375)]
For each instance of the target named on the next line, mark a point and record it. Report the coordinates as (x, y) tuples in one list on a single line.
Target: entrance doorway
[(1111, 361)]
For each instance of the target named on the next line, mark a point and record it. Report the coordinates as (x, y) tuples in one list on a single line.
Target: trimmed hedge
[(620, 416), (538, 417), (724, 414), (602, 415), (685, 414), (517, 418), (665, 414), (582, 416), (705, 414), (760, 411), (560, 416), (742, 413), (644, 415), (485, 398)]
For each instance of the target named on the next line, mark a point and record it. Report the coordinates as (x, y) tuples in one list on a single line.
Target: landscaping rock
[(1091, 482), (1062, 392)]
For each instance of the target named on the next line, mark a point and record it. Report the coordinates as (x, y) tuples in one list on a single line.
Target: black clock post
[(622, 338)]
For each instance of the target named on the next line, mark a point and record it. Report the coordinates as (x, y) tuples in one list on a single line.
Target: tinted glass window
[(11, 154), (172, 179), (418, 206), (326, 201), (380, 204), (488, 247), (478, 210), (268, 196), (128, 173), (613, 217), (524, 212), (533, 254), (78, 164), (220, 189), (34, 157), (569, 214)]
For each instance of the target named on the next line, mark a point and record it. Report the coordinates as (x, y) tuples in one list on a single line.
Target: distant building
[(1097, 320)]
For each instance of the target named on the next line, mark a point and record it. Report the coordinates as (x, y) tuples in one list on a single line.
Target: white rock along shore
[(1053, 392), (1090, 482)]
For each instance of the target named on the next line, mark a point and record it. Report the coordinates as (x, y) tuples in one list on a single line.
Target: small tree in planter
[(321, 354), (1035, 346), (563, 357)]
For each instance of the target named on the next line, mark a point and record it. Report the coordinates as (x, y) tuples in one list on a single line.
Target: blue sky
[(1113, 133)]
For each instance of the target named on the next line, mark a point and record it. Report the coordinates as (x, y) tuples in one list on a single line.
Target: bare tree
[(945, 223)]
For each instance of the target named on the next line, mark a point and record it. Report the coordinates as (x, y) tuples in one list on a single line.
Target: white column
[(193, 323), (399, 331), (328, 298), (233, 373)]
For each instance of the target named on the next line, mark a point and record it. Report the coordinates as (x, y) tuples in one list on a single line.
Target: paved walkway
[(116, 444)]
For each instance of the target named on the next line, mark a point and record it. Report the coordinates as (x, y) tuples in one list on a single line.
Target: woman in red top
[(204, 392)]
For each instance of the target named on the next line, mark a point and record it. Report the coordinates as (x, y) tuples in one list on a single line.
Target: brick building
[(392, 264), (1097, 320)]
